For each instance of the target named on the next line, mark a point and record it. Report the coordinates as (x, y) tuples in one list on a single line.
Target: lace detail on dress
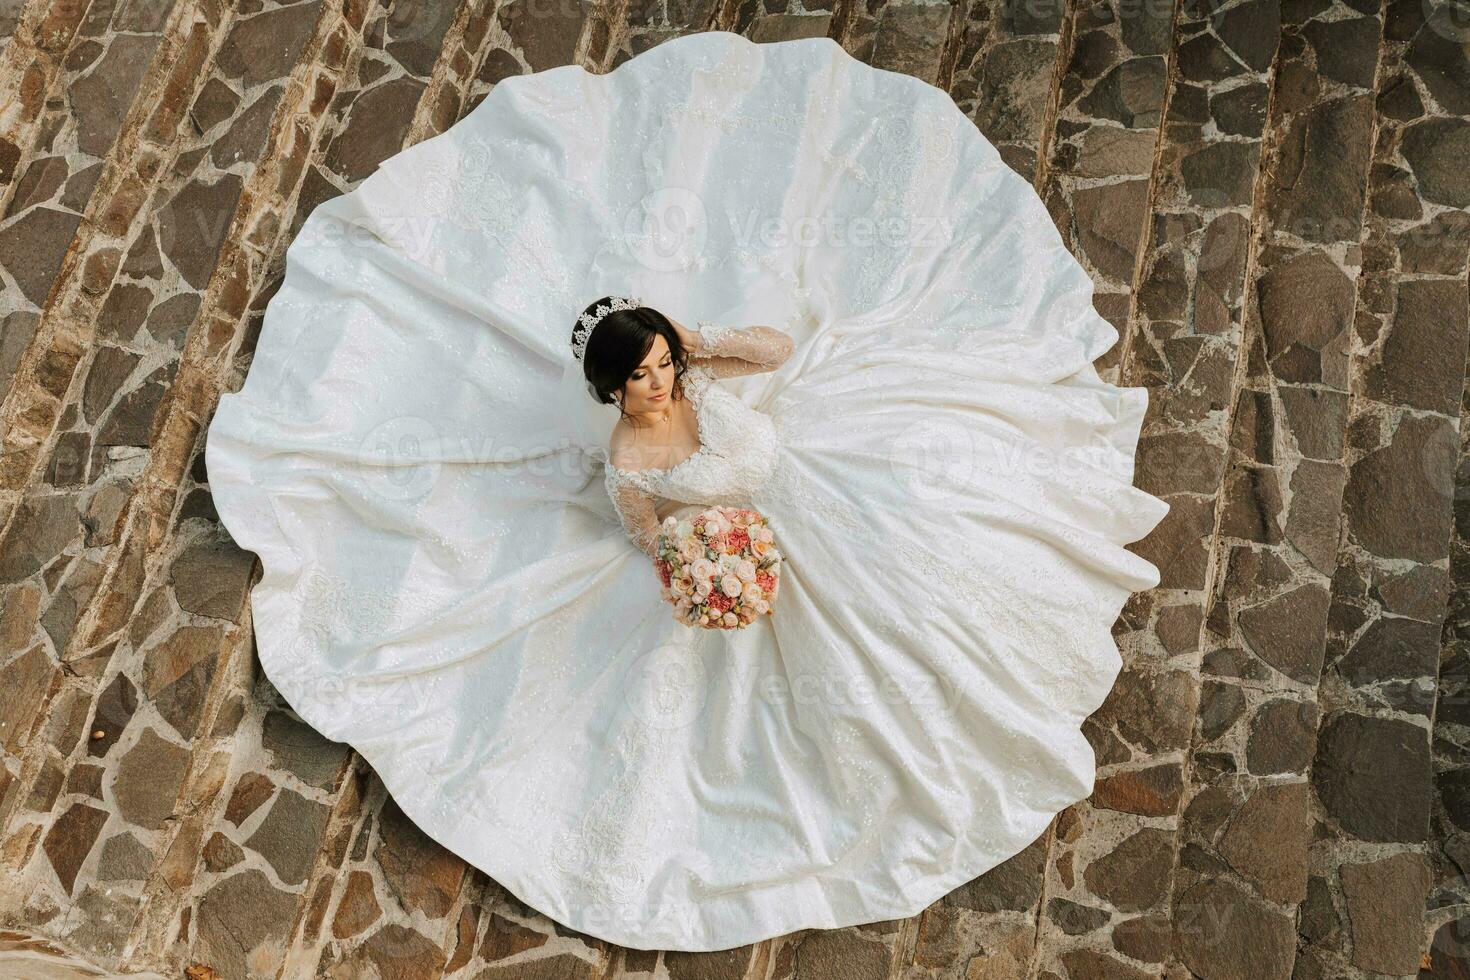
[(614, 846), (334, 611), (608, 850), (737, 454), (635, 510), (729, 351)]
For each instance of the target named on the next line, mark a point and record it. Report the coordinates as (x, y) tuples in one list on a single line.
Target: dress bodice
[(737, 451)]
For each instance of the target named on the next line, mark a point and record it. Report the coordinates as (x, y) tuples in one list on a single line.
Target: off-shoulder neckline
[(700, 374)]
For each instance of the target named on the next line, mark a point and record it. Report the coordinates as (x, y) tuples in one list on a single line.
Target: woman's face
[(650, 386)]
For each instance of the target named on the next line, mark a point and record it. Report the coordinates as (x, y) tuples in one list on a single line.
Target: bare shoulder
[(620, 450)]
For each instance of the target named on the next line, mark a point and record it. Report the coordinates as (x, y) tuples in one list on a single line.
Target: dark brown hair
[(618, 345)]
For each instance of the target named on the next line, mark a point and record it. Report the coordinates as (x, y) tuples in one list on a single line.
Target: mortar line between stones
[(442, 74), (476, 895), (1239, 376), (612, 15), (1155, 192), (953, 40), (1034, 968), (357, 796), (150, 944), (16, 131), (61, 307), (1044, 143)]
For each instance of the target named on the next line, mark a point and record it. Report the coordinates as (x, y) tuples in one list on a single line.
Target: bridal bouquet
[(720, 569)]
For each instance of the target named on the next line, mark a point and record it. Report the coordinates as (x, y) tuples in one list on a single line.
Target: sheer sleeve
[(727, 351), (635, 512)]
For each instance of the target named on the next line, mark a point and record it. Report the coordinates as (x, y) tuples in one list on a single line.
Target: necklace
[(667, 416)]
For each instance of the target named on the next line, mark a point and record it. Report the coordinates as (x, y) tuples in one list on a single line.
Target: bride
[(454, 508), (661, 396)]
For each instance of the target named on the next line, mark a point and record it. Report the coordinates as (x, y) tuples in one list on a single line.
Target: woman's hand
[(690, 339)]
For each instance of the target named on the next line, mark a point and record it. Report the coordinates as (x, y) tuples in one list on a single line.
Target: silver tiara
[(587, 321)]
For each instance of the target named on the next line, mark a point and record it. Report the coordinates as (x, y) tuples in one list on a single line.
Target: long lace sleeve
[(727, 351), (635, 511)]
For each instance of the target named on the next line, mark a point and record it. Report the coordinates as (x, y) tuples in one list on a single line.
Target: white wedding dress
[(449, 586)]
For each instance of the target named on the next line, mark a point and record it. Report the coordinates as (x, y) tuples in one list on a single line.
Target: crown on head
[(587, 321)]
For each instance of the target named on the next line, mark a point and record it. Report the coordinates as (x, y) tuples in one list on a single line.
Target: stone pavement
[(24, 957), (1271, 197)]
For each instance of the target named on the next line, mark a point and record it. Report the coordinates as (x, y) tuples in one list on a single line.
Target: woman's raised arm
[(727, 351)]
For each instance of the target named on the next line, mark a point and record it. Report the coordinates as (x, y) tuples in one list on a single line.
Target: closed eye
[(638, 375)]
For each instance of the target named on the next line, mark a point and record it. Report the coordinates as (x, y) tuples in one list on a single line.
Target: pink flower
[(711, 568)]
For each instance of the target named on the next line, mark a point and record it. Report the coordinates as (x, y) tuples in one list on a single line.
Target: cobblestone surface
[(1272, 198)]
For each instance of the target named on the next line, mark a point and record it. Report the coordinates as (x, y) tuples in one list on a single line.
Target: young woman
[(455, 510)]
